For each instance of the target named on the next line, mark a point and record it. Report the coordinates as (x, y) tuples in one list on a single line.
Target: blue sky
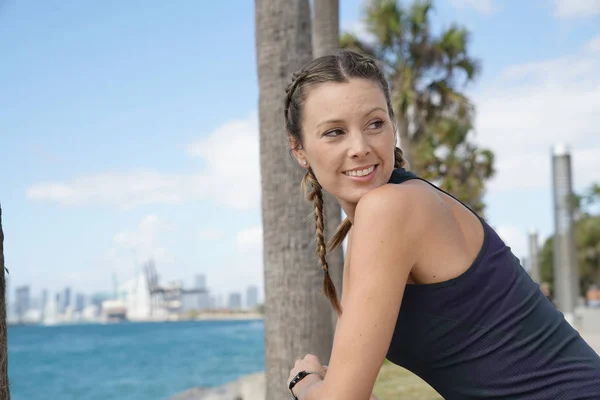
[(128, 130)]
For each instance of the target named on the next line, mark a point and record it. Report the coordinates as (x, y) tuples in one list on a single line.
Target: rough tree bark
[(297, 314), (4, 384), (326, 40), (326, 27)]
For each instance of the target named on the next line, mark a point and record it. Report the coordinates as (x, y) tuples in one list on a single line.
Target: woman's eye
[(376, 124), (333, 133)]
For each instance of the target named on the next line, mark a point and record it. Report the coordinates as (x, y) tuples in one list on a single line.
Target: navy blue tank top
[(490, 333)]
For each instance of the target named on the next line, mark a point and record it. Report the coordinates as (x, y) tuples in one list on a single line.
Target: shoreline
[(217, 316), (228, 316), (247, 387)]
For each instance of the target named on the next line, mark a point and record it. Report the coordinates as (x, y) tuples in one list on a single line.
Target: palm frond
[(384, 21)]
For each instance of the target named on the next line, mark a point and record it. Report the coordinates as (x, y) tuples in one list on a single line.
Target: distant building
[(90, 312), (79, 302), (114, 310), (43, 299), (251, 297), (200, 282), (189, 302), (97, 299), (235, 301), (34, 303), (93, 308), (135, 297), (50, 311), (65, 300), (22, 302), (203, 299)]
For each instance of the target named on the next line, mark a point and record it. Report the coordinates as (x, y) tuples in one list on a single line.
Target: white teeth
[(362, 172)]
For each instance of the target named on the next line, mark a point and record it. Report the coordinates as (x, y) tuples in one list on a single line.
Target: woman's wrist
[(306, 385)]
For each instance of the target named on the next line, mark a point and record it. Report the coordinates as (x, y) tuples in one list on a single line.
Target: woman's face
[(348, 138)]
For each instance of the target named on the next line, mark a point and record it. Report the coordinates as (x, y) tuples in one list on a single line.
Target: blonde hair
[(339, 67)]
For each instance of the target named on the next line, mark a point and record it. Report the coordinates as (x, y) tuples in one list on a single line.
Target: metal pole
[(566, 276), (533, 261)]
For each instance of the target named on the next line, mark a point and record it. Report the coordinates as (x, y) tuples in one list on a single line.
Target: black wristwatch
[(299, 376)]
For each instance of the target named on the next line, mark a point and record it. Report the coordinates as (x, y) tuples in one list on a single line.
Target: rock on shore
[(249, 387)]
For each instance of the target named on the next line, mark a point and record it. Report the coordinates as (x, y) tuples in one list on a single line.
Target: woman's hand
[(310, 363)]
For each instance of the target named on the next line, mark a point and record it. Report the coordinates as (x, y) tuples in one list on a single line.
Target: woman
[(427, 283)]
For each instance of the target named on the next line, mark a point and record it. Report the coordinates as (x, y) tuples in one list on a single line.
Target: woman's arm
[(388, 225)]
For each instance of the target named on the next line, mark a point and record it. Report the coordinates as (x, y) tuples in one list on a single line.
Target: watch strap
[(299, 376)]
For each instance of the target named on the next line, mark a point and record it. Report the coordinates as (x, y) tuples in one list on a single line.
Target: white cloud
[(593, 45), (211, 234), (232, 153), (482, 6), (250, 239), (225, 273), (359, 29), (531, 107), (144, 236), (131, 249), (231, 176), (123, 189), (576, 8)]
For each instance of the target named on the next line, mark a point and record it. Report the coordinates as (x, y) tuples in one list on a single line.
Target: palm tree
[(4, 387), (447, 156), (427, 73), (297, 314), (326, 27), (326, 40)]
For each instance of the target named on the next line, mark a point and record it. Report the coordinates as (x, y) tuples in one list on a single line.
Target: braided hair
[(339, 67)]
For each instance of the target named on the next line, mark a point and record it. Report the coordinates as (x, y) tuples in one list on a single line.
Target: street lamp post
[(566, 276)]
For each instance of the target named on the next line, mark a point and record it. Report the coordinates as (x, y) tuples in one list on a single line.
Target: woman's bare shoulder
[(413, 200)]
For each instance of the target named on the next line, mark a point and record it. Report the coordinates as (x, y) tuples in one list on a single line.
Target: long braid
[(316, 196), (340, 68), (399, 161), (345, 226)]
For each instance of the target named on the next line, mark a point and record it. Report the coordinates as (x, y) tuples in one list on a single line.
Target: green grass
[(394, 383)]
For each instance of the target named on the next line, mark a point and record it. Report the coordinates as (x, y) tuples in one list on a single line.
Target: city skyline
[(194, 283), (70, 300), (131, 157)]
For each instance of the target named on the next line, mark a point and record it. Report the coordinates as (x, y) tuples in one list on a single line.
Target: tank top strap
[(400, 175)]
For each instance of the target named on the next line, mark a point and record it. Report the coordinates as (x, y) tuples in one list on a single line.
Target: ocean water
[(132, 361)]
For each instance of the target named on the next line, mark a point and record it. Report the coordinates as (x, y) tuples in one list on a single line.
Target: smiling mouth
[(361, 172)]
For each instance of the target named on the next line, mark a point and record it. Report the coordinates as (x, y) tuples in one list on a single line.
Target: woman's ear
[(298, 151)]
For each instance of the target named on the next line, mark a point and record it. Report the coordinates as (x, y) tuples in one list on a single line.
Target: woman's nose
[(359, 146)]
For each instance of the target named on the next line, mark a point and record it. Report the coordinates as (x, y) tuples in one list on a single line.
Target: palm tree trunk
[(297, 314), (326, 27), (326, 40), (4, 387)]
